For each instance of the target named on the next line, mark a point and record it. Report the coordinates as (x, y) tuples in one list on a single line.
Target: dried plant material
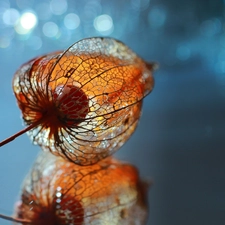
[(83, 104)]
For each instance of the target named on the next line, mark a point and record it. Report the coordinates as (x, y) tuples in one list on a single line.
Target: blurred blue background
[(180, 142)]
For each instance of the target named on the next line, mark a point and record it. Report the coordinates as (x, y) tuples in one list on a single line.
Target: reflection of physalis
[(59, 192)]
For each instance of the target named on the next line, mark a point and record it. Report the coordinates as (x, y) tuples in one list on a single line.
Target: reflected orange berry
[(60, 192), (84, 103)]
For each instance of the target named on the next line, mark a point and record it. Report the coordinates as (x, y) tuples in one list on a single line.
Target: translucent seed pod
[(84, 103)]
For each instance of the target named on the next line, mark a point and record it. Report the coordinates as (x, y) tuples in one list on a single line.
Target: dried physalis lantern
[(59, 192), (84, 103)]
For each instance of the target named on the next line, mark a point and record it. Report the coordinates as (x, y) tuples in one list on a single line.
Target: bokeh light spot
[(220, 67), (211, 27), (28, 20), (71, 21), (58, 7), (157, 17), (10, 17), (140, 5), (26, 23), (104, 24), (50, 29)]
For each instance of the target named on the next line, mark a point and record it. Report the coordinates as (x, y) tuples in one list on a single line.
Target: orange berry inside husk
[(72, 104)]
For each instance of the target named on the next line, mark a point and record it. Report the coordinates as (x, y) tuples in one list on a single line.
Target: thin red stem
[(18, 220), (11, 138)]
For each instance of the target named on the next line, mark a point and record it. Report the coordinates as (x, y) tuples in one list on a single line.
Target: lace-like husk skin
[(89, 124)]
